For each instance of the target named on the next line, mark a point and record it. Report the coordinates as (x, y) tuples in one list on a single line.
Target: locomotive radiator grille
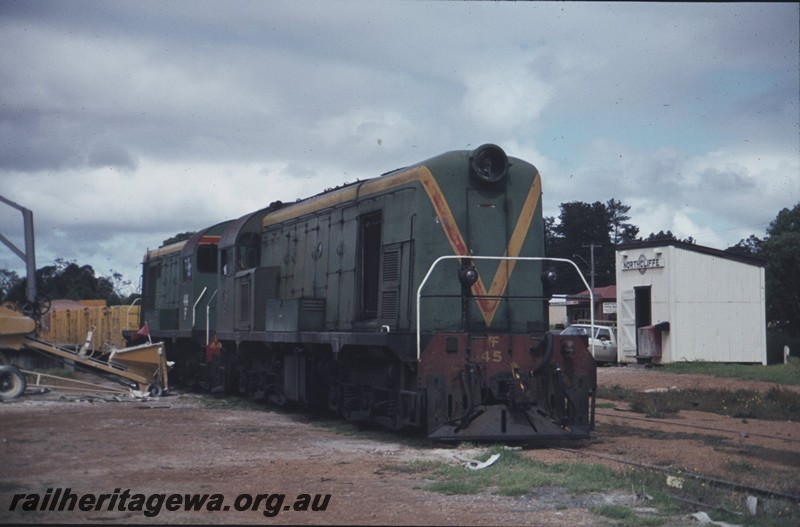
[(390, 303)]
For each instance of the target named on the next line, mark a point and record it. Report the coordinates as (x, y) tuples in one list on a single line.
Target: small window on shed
[(207, 259)]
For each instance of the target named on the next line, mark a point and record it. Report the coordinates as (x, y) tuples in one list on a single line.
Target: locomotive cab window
[(207, 259), (152, 274), (370, 263), (249, 251)]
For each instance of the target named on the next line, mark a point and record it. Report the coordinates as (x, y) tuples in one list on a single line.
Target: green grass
[(722, 504), (625, 516), (516, 475), (778, 404), (777, 373)]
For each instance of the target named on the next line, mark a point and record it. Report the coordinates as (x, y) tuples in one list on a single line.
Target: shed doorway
[(643, 310)]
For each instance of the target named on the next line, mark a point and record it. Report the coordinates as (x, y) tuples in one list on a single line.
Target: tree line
[(67, 280), (591, 231)]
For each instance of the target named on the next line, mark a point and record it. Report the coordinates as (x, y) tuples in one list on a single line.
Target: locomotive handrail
[(522, 258), (208, 315), (194, 307)]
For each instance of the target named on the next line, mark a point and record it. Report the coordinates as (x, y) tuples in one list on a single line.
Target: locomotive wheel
[(12, 382)]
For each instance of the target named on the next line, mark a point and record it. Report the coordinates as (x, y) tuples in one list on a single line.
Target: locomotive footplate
[(508, 387), (501, 423)]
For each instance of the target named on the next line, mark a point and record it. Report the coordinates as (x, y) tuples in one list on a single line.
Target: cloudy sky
[(123, 123)]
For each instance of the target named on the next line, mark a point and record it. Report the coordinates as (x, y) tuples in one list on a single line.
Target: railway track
[(671, 422), (742, 487), (742, 456)]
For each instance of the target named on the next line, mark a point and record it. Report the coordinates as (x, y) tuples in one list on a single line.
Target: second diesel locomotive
[(417, 299)]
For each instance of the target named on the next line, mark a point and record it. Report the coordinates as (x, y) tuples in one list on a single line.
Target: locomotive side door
[(371, 225)]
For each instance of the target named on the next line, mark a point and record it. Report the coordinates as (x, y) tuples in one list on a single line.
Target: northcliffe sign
[(642, 264)]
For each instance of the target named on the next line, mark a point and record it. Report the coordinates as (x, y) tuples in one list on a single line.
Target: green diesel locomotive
[(414, 299)]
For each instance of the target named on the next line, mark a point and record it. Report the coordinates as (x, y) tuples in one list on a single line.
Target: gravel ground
[(191, 443)]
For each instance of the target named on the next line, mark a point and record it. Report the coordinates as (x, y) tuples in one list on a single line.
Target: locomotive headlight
[(549, 281), (468, 275), (550, 277), (489, 163)]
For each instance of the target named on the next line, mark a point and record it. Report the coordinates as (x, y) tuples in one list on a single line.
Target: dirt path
[(197, 444), (176, 445)]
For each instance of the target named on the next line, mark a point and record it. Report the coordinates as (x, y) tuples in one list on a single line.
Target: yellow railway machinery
[(143, 367)]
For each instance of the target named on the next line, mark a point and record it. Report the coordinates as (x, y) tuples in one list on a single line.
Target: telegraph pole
[(591, 247)]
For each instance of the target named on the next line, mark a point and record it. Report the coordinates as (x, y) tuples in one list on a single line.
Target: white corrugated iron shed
[(684, 302)]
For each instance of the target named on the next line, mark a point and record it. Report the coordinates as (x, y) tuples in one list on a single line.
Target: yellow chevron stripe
[(487, 306)]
